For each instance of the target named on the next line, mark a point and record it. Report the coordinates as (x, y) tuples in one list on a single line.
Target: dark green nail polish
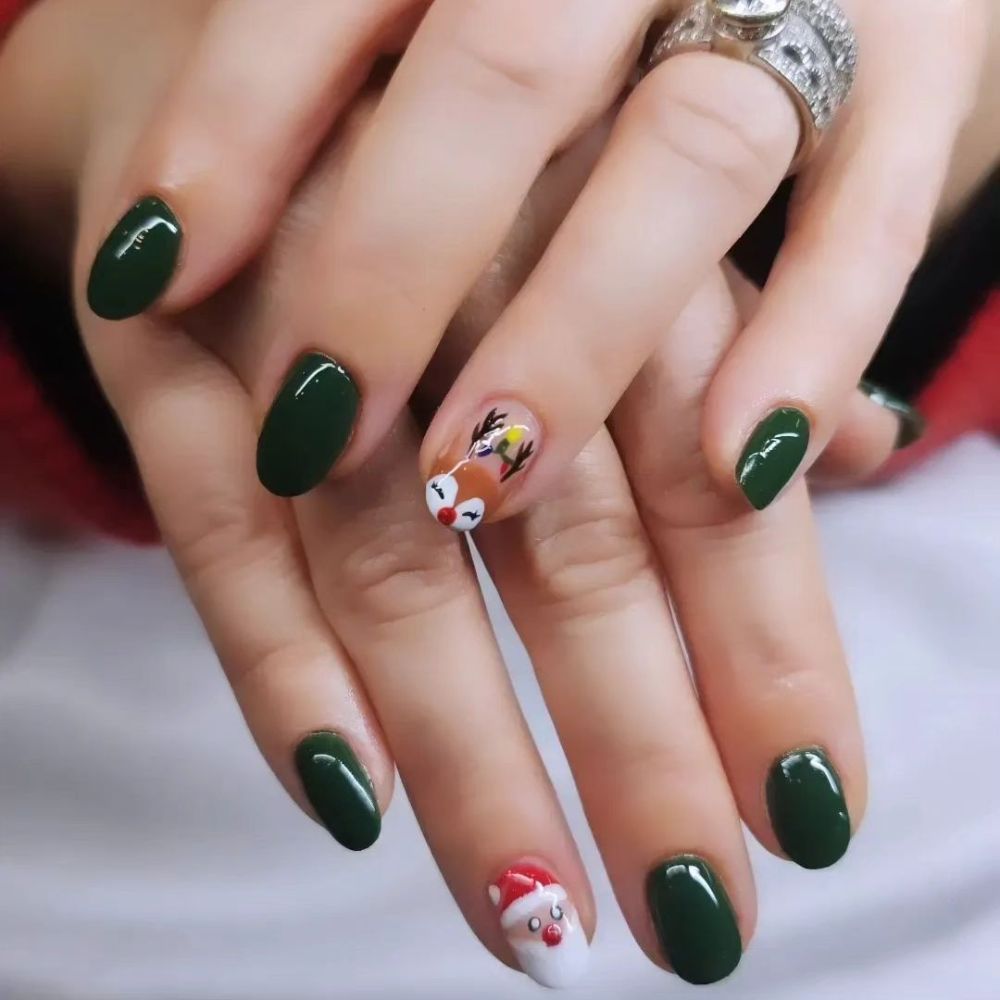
[(773, 453), (136, 261), (339, 789), (694, 920), (309, 425), (806, 803), (911, 421)]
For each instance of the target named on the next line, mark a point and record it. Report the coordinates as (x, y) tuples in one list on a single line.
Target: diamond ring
[(808, 45)]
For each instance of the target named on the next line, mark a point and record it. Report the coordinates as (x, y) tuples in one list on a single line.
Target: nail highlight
[(541, 924), (339, 789), (694, 919), (772, 455), (912, 423), (308, 427), (476, 472), (805, 800), (136, 261)]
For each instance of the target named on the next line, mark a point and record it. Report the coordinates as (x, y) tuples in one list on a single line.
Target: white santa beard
[(561, 965)]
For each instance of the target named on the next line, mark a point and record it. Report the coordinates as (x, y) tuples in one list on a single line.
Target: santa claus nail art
[(477, 471), (541, 925)]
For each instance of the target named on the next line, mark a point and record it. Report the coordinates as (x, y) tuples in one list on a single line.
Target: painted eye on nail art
[(556, 913), (534, 924)]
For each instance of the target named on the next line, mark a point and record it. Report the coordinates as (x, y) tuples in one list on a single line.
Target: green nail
[(806, 803), (694, 920), (773, 453), (911, 421), (136, 261), (339, 789), (309, 425)]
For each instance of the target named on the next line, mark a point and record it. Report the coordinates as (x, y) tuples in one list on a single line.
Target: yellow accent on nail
[(514, 434)]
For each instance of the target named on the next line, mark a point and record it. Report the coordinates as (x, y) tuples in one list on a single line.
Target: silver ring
[(809, 45)]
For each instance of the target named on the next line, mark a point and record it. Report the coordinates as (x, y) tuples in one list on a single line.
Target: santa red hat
[(519, 891)]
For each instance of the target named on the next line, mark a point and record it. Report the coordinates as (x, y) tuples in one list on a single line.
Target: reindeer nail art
[(473, 475), (541, 924)]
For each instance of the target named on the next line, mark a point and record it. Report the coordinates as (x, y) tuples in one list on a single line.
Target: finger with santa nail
[(541, 924), (409, 612)]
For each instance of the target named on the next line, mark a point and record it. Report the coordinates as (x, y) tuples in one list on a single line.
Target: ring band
[(808, 45)]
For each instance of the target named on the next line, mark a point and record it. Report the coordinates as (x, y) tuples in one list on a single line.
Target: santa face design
[(541, 925), (475, 473)]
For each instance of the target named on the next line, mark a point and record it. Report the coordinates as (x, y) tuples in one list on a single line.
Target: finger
[(235, 131), (874, 426), (411, 615), (581, 584), (698, 149), (858, 229), (189, 422), (484, 96), (750, 596)]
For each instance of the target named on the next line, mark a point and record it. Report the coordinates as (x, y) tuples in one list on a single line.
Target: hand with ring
[(485, 94), (352, 630)]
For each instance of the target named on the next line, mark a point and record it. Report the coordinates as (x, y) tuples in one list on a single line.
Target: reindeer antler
[(524, 452), (492, 422)]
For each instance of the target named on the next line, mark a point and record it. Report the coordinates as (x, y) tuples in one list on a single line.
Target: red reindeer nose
[(552, 935), (447, 515)]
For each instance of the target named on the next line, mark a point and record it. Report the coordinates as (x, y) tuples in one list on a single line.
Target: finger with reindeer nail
[(475, 474)]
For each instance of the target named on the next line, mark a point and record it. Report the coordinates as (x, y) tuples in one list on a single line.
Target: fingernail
[(136, 261), (694, 920), (483, 465), (911, 421), (339, 790), (308, 427), (541, 925), (773, 453), (808, 813)]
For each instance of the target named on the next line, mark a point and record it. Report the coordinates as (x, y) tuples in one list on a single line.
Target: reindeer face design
[(472, 475), (453, 498)]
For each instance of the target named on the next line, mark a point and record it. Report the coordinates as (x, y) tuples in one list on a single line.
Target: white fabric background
[(146, 853)]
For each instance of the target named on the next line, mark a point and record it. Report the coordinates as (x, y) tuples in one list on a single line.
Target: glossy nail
[(339, 789), (694, 920), (911, 421), (541, 924), (479, 469), (136, 261), (773, 453), (308, 427), (805, 800)]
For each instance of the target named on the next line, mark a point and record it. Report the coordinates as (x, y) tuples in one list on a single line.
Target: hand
[(350, 605), (485, 94)]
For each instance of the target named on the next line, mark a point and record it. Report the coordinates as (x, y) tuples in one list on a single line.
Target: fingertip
[(875, 426)]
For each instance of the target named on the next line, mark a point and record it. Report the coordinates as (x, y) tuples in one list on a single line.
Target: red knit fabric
[(9, 9), (45, 473), (965, 393)]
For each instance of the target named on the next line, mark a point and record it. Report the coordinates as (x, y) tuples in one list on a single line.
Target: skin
[(484, 95), (353, 581)]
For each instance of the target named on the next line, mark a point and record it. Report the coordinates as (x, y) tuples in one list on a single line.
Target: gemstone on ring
[(751, 13)]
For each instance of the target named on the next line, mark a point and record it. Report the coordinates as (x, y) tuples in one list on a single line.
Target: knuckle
[(507, 52), (590, 556), (674, 486), (257, 672), (227, 538), (772, 670), (392, 571), (900, 229), (722, 132)]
